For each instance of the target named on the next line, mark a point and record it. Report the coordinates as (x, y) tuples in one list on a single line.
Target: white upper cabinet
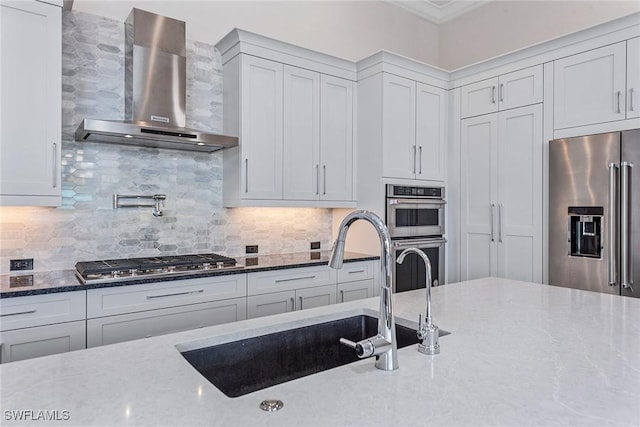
[(633, 78), (431, 124), (413, 129), (512, 90), (589, 87), (399, 127), (30, 103), (301, 134), (292, 110), (336, 139), (261, 128)]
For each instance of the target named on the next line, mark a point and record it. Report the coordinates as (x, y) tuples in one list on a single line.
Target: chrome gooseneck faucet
[(384, 344), (427, 332)]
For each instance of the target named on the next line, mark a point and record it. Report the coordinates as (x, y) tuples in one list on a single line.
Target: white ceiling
[(438, 11)]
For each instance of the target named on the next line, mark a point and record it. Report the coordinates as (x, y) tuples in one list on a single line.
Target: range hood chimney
[(155, 92)]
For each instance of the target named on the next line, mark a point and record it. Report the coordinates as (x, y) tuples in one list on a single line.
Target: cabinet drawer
[(150, 296), (126, 327), (42, 341), (290, 279), (36, 310), (352, 271)]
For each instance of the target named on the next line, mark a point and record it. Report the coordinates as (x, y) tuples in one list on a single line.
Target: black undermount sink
[(241, 367)]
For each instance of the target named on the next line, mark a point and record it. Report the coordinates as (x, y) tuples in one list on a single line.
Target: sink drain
[(271, 405)]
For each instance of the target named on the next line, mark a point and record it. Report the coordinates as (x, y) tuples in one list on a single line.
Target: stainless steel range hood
[(155, 92)]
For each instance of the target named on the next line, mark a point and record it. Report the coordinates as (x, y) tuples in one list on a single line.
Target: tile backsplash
[(86, 227)]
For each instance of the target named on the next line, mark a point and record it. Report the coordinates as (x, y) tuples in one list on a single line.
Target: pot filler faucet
[(428, 332), (383, 345)]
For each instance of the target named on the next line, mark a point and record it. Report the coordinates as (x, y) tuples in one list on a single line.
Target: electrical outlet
[(315, 245), (21, 264), (251, 249)]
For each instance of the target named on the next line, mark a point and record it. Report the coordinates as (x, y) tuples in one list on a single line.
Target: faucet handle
[(348, 343)]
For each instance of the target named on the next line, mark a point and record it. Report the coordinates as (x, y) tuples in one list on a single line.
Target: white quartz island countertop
[(518, 354)]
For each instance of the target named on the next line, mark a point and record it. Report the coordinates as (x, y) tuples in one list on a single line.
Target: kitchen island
[(518, 354)]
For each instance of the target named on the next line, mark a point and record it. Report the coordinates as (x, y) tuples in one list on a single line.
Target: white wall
[(503, 26), (346, 29)]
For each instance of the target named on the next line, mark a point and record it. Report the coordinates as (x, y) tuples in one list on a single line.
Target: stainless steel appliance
[(415, 218), (415, 211), (169, 267), (155, 92), (594, 213)]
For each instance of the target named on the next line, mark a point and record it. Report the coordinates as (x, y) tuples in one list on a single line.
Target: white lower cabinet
[(286, 301), (20, 344), (352, 291), (125, 313), (40, 325), (125, 327)]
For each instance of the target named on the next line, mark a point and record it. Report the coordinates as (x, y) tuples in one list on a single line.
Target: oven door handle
[(416, 202), (425, 243)]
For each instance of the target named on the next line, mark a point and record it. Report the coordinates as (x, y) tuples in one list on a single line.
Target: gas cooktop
[(118, 270)]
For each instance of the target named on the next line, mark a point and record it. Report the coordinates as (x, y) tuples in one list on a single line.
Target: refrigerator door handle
[(613, 268), (626, 279)]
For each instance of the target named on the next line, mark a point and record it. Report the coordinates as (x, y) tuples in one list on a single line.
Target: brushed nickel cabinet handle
[(618, 95), (414, 159), (317, 179), (500, 223), (501, 92), (294, 278), (55, 165), (631, 99), (300, 303), (199, 291), (493, 207), (355, 271), (246, 175), (341, 296), (293, 304), (420, 159), (324, 179), (493, 94), (19, 312)]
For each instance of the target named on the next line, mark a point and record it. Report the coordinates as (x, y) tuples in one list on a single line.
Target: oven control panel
[(411, 191)]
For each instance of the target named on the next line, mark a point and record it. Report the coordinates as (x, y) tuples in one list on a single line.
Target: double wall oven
[(415, 218)]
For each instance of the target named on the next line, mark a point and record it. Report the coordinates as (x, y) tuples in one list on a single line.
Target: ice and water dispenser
[(585, 231)]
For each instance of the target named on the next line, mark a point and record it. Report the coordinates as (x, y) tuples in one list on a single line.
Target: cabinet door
[(520, 88), (27, 343), (315, 297), (479, 168), (519, 216), (145, 324), (590, 87), (261, 128), (431, 113), (352, 291), (30, 103), (399, 127), (268, 304), (633, 78), (336, 139), (480, 98), (301, 134)]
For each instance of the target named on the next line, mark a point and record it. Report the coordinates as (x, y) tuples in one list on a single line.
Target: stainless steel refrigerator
[(594, 213)]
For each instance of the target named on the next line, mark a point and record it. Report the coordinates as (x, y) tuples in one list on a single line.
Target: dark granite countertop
[(23, 284)]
